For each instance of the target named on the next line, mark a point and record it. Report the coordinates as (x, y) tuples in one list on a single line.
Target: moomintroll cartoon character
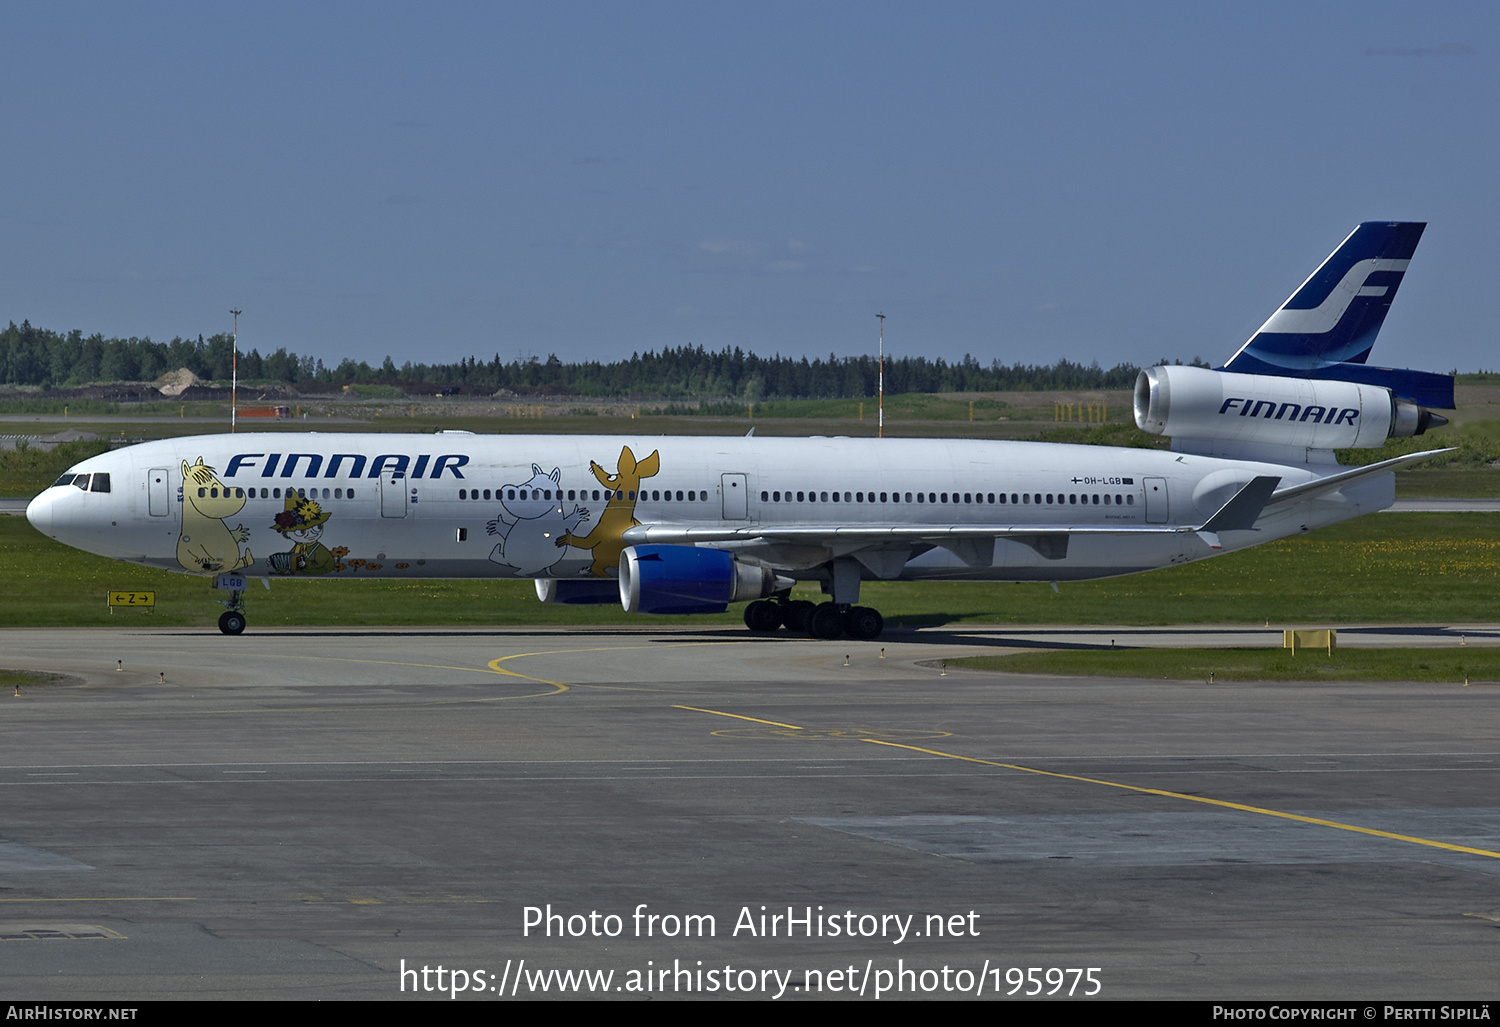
[(531, 523), (605, 538), (301, 523), (207, 544)]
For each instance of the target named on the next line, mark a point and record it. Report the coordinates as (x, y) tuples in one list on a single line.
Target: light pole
[(234, 379), (880, 380)]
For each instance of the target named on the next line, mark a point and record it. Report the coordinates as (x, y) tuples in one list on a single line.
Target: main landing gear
[(821, 620)]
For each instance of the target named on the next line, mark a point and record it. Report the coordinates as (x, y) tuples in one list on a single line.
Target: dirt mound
[(173, 383)]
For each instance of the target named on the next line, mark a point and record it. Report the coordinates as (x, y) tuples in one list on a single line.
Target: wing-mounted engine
[(578, 592), (1229, 410), (689, 579)]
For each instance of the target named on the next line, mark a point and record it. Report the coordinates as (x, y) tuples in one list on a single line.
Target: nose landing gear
[(232, 620)]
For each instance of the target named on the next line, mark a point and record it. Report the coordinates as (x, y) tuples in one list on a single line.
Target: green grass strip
[(1451, 665), (1385, 568), (14, 680)]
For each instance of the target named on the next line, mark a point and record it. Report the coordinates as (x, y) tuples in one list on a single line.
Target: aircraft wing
[(1238, 514), (668, 535), (1051, 541)]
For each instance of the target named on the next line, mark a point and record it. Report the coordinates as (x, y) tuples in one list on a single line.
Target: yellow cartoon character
[(207, 544), (302, 523), (619, 514)]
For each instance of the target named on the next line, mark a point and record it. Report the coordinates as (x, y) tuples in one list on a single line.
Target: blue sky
[(1110, 182)]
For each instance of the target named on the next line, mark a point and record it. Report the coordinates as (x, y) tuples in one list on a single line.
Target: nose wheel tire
[(232, 622)]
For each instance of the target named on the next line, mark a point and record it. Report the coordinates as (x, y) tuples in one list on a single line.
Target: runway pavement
[(304, 813)]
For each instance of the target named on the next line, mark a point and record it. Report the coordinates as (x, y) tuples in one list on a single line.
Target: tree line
[(39, 357)]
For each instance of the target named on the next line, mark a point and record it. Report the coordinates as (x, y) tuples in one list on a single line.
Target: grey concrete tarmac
[(303, 813)]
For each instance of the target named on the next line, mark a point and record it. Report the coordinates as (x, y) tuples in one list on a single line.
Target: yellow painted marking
[(828, 734), (738, 716), (1199, 798), (557, 687), (494, 665), (1159, 791)]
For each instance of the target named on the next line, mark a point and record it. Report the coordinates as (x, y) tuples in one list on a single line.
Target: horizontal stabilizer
[(1334, 482), (1424, 388)]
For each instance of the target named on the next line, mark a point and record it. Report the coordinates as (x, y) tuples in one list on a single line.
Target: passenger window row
[(966, 498), (651, 495), (239, 493)]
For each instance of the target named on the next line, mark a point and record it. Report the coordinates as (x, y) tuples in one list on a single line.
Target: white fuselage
[(456, 505)]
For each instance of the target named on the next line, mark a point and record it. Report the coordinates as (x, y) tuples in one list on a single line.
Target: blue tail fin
[(1329, 325)]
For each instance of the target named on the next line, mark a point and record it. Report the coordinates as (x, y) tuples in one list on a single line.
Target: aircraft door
[(1156, 500), (392, 495), (158, 495), (733, 488)]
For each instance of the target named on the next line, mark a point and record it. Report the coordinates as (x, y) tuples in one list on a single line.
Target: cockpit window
[(82, 481), (66, 479), (101, 482)]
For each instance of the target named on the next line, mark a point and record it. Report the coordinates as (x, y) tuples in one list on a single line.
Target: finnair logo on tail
[(1325, 316)]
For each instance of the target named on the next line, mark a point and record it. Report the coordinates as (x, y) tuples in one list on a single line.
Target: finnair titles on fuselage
[(690, 525)]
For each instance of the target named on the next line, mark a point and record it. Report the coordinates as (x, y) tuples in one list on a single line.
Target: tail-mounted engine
[(1196, 403)]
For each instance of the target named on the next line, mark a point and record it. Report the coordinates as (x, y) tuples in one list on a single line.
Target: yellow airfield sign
[(142, 600)]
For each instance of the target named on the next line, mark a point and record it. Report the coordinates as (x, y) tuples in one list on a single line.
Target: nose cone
[(39, 513)]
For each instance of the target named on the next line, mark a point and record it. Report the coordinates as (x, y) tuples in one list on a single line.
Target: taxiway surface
[(296, 813)]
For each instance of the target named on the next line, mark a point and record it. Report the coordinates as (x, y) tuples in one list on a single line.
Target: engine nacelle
[(587, 592), (688, 579), (1199, 403)]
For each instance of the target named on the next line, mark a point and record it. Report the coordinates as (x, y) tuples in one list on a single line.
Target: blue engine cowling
[(688, 579)]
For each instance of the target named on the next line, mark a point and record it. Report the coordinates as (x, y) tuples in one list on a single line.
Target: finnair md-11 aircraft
[(689, 525)]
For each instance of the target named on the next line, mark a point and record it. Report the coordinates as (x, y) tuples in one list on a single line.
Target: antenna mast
[(880, 387), (234, 380)]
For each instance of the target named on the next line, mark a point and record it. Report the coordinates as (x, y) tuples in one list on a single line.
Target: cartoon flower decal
[(299, 515)]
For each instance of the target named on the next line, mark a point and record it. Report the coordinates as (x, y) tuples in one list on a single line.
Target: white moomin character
[(532, 523)]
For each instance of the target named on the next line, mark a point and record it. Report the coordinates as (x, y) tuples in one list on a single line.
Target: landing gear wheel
[(762, 617), (828, 621), (798, 616), (865, 623), (232, 622)]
